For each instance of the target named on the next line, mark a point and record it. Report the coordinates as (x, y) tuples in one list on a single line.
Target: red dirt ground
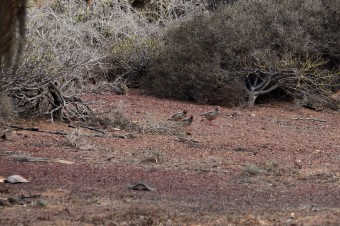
[(270, 165)]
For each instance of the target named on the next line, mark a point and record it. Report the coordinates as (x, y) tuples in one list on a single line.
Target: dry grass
[(78, 139), (252, 169), (114, 117), (153, 156), (149, 125)]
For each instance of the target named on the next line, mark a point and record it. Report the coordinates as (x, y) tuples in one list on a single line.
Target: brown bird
[(188, 120), (178, 116), (122, 89), (211, 115)]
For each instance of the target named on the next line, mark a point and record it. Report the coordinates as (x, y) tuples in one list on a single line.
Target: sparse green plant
[(42, 203)]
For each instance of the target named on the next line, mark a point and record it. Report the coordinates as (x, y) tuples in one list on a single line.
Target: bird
[(188, 120), (178, 116), (122, 89), (211, 115)]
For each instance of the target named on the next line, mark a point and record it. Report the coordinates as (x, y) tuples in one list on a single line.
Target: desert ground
[(274, 164)]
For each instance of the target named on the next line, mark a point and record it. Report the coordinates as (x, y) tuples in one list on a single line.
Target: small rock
[(298, 164), (8, 135), (4, 202), (140, 186), (16, 179)]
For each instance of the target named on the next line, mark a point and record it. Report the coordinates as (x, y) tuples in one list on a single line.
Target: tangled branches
[(305, 80)]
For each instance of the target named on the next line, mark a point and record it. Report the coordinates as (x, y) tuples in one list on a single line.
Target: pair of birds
[(187, 120)]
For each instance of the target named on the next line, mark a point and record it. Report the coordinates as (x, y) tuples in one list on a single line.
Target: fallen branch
[(26, 158), (89, 127), (313, 119), (35, 129), (22, 128)]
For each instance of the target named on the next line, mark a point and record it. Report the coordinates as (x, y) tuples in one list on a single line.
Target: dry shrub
[(139, 30), (293, 41), (152, 156), (112, 118), (74, 138), (189, 67), (55, 53), (69, 43), (205, 58), (209, 58), (215, 4), (168, 11), (149, 125), (131, 58)]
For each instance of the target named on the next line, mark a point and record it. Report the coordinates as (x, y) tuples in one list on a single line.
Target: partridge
[(178, 116), (122, 89), (188, 120), (211, 115)]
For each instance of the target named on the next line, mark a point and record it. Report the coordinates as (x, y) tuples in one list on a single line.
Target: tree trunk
[(58, 101), (252, 97)]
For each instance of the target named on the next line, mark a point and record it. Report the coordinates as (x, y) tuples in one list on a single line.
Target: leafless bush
[(306, 80), (25, 83), (169, 11), (48, 74), (109, 40), (65, 44), (214, 4), (40, 87)]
